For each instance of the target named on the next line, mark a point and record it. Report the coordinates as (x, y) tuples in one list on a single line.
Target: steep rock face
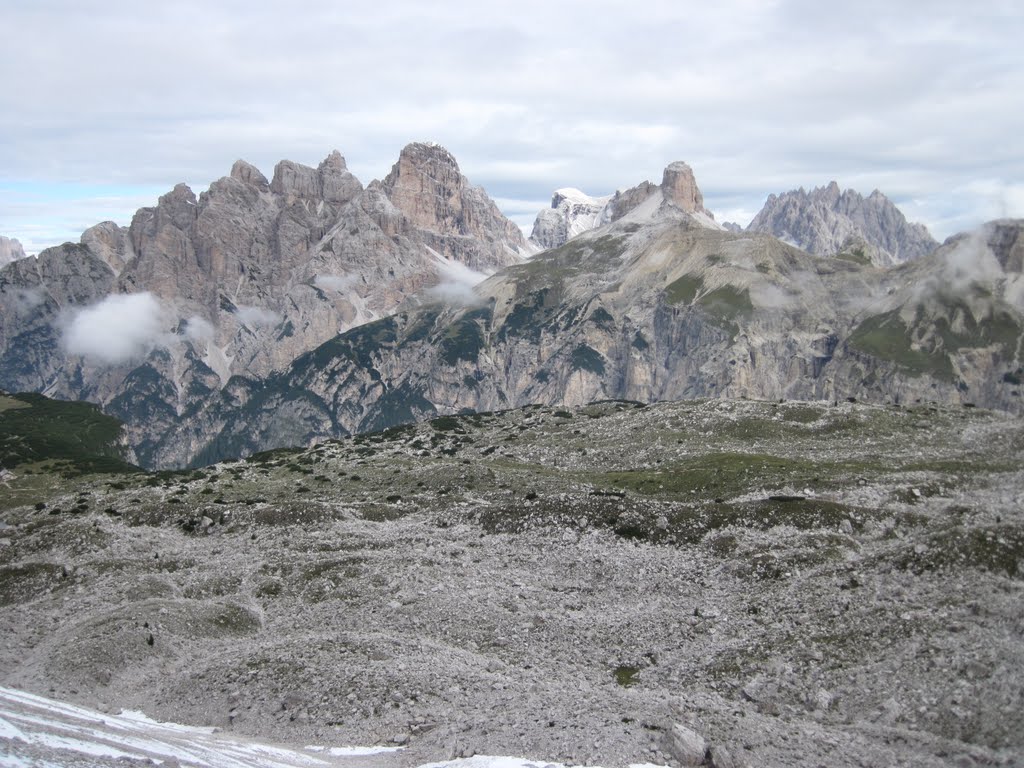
[(457, 219), (35, 294), (821, 221), (10, 250), (680, 188), (666, 310), (624, 202), (111, 243)]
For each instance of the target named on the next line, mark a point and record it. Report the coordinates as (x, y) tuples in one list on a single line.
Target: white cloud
[(198, 329), (456, 283), (115, 330), (336, 283), (257, 317)]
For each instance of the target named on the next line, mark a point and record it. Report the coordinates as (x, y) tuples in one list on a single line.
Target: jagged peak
[(335, 161), (10, 250), (821, 220), (286, 172), (425, 157), (181, 191), (249, 174)]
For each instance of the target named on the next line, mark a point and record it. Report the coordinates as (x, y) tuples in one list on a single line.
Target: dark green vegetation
[(464, 339), (75, 436), (925, 345)]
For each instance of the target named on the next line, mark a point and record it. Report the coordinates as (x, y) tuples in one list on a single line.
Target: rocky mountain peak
[(177, 207), (330, 181), (249, 174), (679, 187), (335, 161), (823, 220), (427, 186), (571, 213)]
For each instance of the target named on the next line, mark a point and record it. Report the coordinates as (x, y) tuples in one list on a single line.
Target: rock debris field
[(723, 583)]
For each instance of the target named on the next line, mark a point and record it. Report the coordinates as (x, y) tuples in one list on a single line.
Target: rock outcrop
[(680, 188), (823, 220), (457, 219)]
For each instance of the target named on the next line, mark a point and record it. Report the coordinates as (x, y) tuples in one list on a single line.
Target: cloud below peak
[(115, 330)]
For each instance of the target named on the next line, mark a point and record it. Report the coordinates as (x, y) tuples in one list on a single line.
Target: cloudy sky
[(108, 104)]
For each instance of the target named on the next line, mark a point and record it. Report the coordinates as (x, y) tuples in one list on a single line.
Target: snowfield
[(37, 731)]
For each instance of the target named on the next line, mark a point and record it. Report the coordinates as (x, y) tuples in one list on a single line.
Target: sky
[(107, 105)]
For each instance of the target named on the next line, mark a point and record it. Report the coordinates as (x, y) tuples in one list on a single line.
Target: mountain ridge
[(827, 221), (611, 315), (302, 308)]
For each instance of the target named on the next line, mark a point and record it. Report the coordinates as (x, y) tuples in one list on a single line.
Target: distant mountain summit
[(827, 221), (10, 250), (573, 212)]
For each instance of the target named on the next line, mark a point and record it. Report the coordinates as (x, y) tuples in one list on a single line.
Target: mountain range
[(267, 313)]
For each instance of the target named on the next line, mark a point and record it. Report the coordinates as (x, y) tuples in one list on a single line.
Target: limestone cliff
[(10, 250)]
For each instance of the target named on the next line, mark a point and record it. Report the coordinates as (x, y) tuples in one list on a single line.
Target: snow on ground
[(37, 731), (30, 723)]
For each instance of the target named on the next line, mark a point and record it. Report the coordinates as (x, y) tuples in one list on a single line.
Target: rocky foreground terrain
[(710, 582)]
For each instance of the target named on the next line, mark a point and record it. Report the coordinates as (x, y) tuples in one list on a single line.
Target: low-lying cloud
[(257, 317), (198, 329), (456, 285), (115, 330), (336, 283), (24, 300)]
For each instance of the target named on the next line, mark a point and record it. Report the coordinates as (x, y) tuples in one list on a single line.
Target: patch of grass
[(626, 676), (998, 548), (855, 256), (727, 303), (886, 336), (28, 581), (684, 290)]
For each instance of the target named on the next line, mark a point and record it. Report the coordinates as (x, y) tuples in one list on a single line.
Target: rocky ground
[(731, 582)]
